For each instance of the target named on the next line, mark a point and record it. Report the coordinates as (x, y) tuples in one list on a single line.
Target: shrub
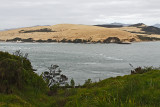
[(10, 75), (16, 73), (38, 30), (53, 90), (77, 41), (140, 70), (151, 30), (72, 83), (87, 83), (145, 38), (54, 76)]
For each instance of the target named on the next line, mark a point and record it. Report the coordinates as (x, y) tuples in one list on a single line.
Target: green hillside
[(20, 86)]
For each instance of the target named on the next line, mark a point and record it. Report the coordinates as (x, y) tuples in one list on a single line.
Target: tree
[(20, 54), (54, 76), (72, 83), (87, 83)]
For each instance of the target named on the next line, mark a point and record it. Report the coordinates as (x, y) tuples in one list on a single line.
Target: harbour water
[(84, 61)]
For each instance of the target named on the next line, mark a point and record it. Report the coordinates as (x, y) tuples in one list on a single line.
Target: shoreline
[(113, 40), (81, 43), (71, 42)]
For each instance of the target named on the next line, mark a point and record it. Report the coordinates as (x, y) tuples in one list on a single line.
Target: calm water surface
[(83, 61)]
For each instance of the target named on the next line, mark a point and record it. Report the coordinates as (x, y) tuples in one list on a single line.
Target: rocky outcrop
[(77, 41), (74, 41), (112, 40), (51, 40)]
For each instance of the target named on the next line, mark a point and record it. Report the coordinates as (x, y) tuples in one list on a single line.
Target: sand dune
[(69, 32)]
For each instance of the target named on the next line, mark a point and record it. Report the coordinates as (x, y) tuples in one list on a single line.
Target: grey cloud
[(17, 13)]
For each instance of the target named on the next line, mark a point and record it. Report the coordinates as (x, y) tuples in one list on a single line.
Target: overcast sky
[(22, 13)]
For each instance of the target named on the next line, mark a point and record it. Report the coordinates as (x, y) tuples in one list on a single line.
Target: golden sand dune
[(68, 32)]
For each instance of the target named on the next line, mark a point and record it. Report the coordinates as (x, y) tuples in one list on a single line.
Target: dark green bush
[(17, 73), (38, 30), (72, 83), (10, 75), (145, 38), (87, 83), (151, 30), (140, 70)]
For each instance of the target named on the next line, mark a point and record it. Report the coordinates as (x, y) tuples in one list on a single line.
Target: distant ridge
[(21, 27), (157, 25), (138, 25), (116, 23), (113, 25), (109, 26)]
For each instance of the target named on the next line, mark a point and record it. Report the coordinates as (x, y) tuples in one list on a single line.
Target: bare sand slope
[(69, 32)]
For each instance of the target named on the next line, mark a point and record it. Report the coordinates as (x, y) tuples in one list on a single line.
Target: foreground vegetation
[(20, 86)]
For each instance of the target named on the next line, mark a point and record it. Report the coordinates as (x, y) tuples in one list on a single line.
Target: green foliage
[(87, 83), (10, 75), (38, 30), (53, 89), (151, 30), (131, 90), (140, 70), (66, 85), (54, 76), (72, 83), (16, 73), (145, 38)]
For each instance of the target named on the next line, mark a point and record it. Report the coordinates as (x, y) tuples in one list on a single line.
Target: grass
[(137, 90), (130, 90)]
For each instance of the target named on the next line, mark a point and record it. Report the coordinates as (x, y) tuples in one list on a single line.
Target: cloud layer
[(18, 13)]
